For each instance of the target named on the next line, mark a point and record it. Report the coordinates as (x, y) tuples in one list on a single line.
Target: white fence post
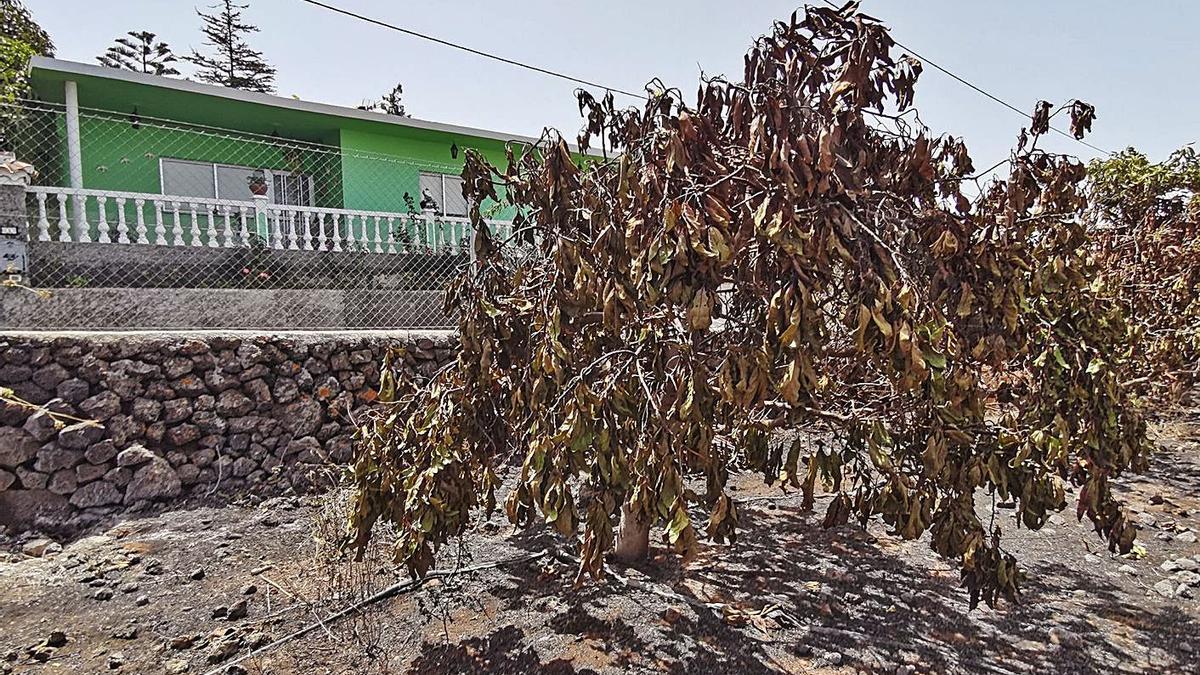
[(160, 220), (428, 235), (262, 225)]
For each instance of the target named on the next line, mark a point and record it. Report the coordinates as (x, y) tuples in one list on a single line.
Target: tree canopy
[(785, 277), (1145, 226), (17, 25), (20, 39), (138, 51), (233, 63)]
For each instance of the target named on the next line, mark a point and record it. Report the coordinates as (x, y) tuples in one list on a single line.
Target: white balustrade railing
[(104, 216)]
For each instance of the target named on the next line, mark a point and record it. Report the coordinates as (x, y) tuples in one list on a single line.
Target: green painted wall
[(378, 169), (121, 157), (118, 156), (372, 172), (379, 159)]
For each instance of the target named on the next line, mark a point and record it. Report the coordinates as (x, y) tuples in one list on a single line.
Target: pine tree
[(138, 52), (234, 64)]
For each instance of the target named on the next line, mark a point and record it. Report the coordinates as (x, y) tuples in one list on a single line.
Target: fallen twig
[(395, 589), (281, 589), (321, 623), (768, 498), (271, 616), (8, 396)]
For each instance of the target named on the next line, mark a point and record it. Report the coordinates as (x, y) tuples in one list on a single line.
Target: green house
[(134, 158)]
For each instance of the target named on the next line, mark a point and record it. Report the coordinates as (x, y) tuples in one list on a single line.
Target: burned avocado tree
[(783, 277), (1144, 222)]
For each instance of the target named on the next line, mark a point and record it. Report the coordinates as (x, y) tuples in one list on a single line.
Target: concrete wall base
[(209, 308)]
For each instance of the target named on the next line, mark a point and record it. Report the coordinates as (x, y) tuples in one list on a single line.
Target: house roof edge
[(86, 69)]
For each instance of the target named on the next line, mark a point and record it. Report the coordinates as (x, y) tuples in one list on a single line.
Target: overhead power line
[(471, 50), (980, 90), (997, 99), (570, 78)]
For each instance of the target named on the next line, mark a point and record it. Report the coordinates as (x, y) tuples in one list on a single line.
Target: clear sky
[(1134, 61)]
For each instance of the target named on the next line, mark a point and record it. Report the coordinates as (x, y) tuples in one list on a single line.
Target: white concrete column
[(74, 154)]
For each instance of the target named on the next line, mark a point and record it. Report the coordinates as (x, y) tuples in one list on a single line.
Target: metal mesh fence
[(137, 222)]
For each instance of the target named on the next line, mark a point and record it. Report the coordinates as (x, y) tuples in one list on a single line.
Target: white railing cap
[(259, 202)]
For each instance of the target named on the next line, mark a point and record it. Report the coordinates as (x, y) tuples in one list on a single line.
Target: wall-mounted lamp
[(454, 150)]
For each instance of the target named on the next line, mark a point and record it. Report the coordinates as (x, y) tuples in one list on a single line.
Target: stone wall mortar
[(182, 416)]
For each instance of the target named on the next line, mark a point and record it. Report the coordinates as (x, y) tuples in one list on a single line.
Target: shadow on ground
[(844, 599)]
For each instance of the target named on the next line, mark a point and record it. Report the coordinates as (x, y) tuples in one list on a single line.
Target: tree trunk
[(633, 537)]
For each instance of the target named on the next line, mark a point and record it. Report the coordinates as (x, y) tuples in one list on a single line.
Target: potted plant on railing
[(257, 183)]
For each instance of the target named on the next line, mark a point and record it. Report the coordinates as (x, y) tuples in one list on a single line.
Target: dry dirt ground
[(166, 594)]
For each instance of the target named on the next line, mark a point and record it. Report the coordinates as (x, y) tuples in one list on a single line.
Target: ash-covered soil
[(194, 591)]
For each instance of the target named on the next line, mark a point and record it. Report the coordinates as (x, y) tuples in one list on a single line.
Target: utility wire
[(470, 50), (984, 92), (999, 100), (562, 76)]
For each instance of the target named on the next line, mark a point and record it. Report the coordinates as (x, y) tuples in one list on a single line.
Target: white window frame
[(268, 175), (441, 199)]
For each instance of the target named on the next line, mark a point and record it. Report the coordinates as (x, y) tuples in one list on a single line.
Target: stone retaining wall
[(181, 415)]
